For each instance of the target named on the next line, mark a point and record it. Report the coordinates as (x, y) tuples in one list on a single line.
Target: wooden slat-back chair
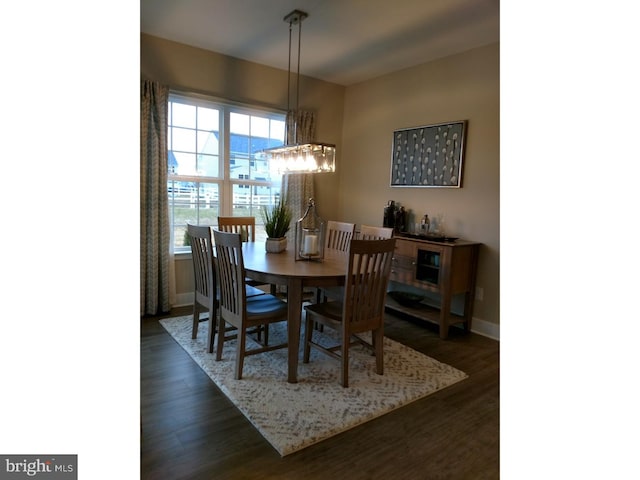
[(245, 226), (339, 234), (368, 232), (236, 308), (205, 291), (362, 306)]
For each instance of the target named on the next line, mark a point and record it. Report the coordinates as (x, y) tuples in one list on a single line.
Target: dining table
[(283, 269)]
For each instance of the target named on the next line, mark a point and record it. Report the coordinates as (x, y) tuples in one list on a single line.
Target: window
[(215, 163)]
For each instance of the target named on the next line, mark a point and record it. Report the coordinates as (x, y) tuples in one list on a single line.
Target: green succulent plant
[(276, 220)]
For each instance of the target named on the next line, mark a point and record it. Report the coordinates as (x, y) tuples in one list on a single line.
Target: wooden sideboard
[(441, 268)]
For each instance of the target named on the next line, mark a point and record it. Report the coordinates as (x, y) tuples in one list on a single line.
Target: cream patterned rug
[(294, 416)]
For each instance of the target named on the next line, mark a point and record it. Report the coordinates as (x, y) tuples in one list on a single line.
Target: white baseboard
[(486, 329), (183, 299)]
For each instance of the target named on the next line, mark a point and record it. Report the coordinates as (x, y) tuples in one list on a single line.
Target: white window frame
[(224, 181)]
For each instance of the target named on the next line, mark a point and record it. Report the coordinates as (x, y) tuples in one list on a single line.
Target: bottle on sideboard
[(389, 219), (424, 225)]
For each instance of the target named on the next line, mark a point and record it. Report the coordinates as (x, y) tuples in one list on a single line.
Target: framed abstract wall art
[(429, 156)]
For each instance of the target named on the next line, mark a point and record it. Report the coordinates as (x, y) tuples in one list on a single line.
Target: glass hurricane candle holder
[(310, 235)]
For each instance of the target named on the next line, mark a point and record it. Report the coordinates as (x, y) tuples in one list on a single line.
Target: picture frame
[(429, 155)]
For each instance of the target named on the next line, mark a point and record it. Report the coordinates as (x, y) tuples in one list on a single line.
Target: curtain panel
[(301, 126), (297, 188), (154, 209)]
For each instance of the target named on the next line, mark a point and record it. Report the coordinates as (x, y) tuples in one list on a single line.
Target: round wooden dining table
[(283, 269)]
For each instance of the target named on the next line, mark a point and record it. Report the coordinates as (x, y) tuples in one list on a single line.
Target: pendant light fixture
[(296, 157)]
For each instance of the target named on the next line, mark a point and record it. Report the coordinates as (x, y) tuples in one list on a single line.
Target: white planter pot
[(276, 245)]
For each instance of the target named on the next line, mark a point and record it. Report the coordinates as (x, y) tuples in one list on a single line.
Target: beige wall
[(460, 87), (360, 120)]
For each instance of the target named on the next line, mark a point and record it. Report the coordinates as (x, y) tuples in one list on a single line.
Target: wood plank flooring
[(190, 430)]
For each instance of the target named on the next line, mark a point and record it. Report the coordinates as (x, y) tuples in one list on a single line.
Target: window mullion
[(226, 187)]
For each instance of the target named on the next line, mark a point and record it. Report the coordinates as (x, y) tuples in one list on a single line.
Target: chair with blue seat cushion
[(206, 292), (361, 308), (236, 309)]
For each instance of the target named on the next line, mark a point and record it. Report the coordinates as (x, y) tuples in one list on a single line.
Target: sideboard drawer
[(405, 248), (406, 263), (401, 274)]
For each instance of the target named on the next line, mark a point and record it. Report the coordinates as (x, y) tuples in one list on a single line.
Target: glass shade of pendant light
[(305, 158), (300, 158)]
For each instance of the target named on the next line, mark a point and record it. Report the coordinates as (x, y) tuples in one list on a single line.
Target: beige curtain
[(154, 211), (304, 131), (297, 188)]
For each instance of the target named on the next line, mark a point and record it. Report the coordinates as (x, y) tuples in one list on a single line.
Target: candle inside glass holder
[(310, 235), (309, 242)]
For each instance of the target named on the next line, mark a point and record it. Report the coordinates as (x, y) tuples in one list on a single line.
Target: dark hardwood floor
[(190, 430)]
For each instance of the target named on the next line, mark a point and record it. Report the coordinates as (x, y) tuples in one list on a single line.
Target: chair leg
[(308, 330), (345, 361), (258, 331), (240, 349), (221, 323), (378, 339), (196, 319), (212, 329), (319, 299)]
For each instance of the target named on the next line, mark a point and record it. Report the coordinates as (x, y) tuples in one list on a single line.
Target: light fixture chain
[(295, 133), (289, 70), (288, 87)]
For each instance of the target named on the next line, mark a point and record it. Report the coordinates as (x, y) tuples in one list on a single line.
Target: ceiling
[(343, 41)]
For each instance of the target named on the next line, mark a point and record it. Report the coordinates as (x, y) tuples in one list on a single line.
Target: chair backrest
[(203, 264), (366, 284), (368, 232), (245, 226), (231, 275), (339, 234)]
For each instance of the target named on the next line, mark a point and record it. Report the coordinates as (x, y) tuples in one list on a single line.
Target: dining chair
[(368, 232), (246, 227), (206, 290), (338, 236), (236, 309), (361, 308), (204, 294)]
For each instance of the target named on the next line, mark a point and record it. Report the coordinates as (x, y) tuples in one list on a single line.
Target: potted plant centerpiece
[(276, 224)]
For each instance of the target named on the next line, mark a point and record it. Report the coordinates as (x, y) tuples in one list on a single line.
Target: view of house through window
[(216, 167)]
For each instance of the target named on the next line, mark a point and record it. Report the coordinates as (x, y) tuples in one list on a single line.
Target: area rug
[(294, 416)]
